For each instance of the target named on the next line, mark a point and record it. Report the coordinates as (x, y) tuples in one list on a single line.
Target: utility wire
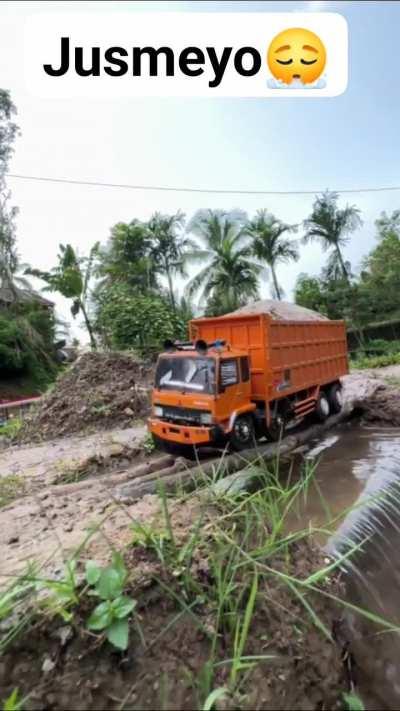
[(217, 191)]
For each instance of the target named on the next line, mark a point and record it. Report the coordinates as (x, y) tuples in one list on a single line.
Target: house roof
[(7, 296)]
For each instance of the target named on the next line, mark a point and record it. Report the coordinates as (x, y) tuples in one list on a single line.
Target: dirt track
[(64, 488)]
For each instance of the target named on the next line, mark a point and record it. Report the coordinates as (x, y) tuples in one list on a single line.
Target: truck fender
[(236, 413)]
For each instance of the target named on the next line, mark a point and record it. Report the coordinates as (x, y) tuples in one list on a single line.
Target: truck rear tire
[(243, 433), (322, 408), (335, 398)]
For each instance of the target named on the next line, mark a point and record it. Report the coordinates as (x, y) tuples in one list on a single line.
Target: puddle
[(359, 473)]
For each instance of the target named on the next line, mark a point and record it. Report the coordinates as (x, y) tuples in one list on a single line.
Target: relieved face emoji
[(296, 54)]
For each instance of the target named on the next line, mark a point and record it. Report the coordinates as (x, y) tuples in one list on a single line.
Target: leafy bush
[(134, 321), (27, 335), (379, 361)]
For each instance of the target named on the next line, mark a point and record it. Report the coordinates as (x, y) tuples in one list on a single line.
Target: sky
[(346, 142)]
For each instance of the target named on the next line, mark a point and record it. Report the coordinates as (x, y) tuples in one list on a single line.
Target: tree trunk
[(171, 290), (276, 285), (342, 264), (88, 325)]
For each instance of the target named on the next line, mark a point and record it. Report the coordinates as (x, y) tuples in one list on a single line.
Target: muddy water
[(359, 472)]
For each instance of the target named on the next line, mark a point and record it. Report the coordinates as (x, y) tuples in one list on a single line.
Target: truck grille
[(181, 414)]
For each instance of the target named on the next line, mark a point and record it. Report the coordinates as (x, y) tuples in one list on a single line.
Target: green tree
[(331, 227), (380, 276), (127, 258), (169, 247), (309, 293), (270, 244), (9, 262), (71, 278), (129, 320), (8, 130), (388, 224), (229, 276)]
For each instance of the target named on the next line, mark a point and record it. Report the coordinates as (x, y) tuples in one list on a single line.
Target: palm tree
[(127, 259), (71, 277), (229, 276), (269, 244), (332, 227), (169, 246)]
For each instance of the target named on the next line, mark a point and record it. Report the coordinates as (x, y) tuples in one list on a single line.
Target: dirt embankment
[(182, 642), (99, 391), (375, 395)]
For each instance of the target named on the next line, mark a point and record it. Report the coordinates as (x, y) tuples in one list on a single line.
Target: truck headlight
[(157, 411), (206, 418)]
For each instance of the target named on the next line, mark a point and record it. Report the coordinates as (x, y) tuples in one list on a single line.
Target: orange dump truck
[(243, 377)]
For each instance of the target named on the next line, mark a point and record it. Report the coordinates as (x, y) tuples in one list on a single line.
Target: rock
[(128, 411), (116, 449), (48, 665), (64, 634)]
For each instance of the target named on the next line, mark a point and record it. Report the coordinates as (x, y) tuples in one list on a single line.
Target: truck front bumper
[(184, 434)]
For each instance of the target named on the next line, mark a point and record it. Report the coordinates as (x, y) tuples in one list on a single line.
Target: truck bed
[(285, 356)]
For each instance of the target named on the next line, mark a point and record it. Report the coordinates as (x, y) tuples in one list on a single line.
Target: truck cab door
[(233, 386)]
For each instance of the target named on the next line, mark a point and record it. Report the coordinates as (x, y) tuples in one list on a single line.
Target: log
[(137, 472), (229, 465)]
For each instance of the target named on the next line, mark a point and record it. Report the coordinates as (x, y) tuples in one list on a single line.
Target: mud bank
[(62, 665), (203, 621)]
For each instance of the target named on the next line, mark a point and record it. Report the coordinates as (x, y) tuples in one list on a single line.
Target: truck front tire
[(175, 448), (243, 433)]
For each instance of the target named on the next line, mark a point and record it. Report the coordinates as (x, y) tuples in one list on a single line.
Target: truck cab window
[(228, 374), (189, 374), (244, 369)]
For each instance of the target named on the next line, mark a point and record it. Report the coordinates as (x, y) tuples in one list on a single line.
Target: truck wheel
[(335, 398), (242, 435), (322, 408), (276, 429)]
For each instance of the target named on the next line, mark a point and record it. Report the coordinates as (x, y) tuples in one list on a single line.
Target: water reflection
[(359, 472)]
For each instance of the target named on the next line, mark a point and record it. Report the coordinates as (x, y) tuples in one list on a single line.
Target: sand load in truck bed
[(99, 391), (281, 311)]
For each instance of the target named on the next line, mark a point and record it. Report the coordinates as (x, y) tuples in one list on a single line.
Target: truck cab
[(200, 392)]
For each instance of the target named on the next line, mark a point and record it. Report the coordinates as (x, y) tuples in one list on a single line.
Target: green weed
[(61, 595), (11, 427), (13, 702), (148, 444), (353, 702), (12, 487), (393, 381), (111, 615)]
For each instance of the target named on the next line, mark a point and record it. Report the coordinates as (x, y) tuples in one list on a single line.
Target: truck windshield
[(186, 374)]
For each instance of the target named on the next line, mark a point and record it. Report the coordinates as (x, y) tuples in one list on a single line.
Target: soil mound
[(99, 391), (382, 407), (281, 311)]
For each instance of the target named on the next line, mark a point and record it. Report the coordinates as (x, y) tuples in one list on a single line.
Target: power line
[(215, 191)]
